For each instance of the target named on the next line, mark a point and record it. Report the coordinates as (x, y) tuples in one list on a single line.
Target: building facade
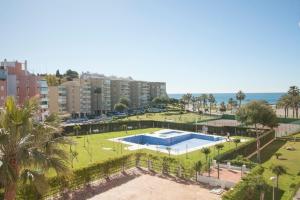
[(44, 100), (139, 94), (120, 88), (73, 97), (157, 89), (57, 99), (17, 82)]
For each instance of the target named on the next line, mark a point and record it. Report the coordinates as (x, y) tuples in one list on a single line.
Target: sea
[(271, 98)]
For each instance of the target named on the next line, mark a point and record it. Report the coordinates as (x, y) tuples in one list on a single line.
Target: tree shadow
[(269, 151)]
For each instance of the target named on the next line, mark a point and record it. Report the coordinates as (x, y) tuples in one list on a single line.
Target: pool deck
[(160, 134)]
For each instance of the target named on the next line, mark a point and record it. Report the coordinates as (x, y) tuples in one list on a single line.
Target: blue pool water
[(175, 140)]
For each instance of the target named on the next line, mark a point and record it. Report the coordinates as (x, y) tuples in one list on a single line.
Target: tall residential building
[(157, 89), (120, 88), (73, 96), (85, 97), (139, 94), (16, 81), (44, 100), (100, 92), (57, 99)]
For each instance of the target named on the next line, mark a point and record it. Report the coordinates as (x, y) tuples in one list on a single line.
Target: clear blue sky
[(195, 46)]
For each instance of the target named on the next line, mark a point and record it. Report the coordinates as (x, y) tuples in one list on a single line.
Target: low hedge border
[(81, 177), (239, 190)]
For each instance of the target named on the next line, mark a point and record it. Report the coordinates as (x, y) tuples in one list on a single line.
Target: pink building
[(16, 81)]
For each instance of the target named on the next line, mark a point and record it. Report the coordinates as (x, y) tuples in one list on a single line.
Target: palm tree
[(197, 168), (222, 107), (240, 96), (231, 104), (188, 98), (285, 102), (204, 98), (194, 102), (199, 103), (236, 142), (206, 152), (219, 147), (211, 100), (278, 170), (295, 99), (29, 148)]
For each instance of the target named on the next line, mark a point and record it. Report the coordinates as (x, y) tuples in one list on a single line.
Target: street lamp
[(273, 179)]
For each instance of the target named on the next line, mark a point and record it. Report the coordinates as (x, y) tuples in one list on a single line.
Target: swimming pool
[(173, 141)]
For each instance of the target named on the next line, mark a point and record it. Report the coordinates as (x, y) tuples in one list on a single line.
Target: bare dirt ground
[(140, 185)]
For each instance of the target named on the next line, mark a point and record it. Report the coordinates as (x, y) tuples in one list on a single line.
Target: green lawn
[(172, 117), (289, 159), (101, 149)]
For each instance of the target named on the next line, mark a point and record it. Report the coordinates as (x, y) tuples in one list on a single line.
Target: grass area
[(289, 159), (98, 148), (172, 117)]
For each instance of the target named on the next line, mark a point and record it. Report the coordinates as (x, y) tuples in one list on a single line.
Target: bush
[(244, 189)]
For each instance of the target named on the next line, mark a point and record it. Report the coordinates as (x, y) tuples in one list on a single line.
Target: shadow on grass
[(269, 151)]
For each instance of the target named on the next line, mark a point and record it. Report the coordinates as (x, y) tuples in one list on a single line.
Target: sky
[(192, 45)]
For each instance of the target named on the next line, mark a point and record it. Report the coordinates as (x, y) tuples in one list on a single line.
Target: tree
[(51, 80), (278, 170), (76, 128), (206, 151), (119, 107), (29, 148), (219, 147), (295, 99), (187, 99), (197, 168), (70, 75), (194, 103), (285, 102), (204, 98), (222, 107), (211, 100), (236, 142), (57, 74), (277, 155), (125, 101), (240, 96), (257, 113)]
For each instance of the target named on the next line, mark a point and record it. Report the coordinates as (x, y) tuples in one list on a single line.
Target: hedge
[(240, 190), (84, 176), (79, 177), (247, 148)]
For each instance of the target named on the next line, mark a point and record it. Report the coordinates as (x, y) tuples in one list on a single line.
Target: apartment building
[(120, 88), (44, 100), (139, 94), (16, 81), (157, 89), (73, 97), (95, 94), (85, 97), (57, 99)]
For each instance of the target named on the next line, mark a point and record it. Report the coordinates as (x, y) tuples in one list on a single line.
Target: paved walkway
[(297, 197)]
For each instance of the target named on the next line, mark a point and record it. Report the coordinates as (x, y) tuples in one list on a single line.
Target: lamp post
[(273, 179)]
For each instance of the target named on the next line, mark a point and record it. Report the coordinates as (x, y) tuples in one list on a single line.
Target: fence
[(215, 182), (119, 126)]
